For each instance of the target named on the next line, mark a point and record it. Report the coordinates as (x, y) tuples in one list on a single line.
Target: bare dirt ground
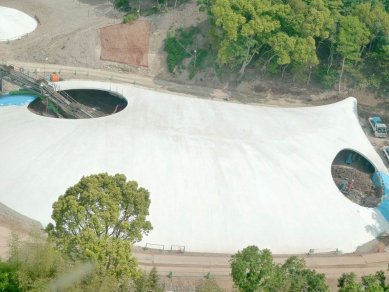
[(126, 43), (363, 191), (12, 222)]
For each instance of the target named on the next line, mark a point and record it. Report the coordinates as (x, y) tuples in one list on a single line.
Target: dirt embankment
[(14, 222), (356, 185)]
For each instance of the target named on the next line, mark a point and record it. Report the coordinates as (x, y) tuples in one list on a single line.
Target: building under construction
[(61, 104)]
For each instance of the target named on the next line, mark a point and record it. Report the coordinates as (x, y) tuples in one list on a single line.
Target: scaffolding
[(68, 106)]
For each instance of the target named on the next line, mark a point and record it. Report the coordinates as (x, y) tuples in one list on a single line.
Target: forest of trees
[(254, 270), (331, 42), (304, 37)]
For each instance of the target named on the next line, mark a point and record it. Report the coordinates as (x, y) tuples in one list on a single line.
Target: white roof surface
[(14, 24), (221, 176)]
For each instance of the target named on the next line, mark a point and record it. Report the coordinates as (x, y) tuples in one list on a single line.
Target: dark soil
[(363, 191), (102, 101)]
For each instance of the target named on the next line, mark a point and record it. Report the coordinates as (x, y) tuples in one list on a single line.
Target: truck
[(378, 126)]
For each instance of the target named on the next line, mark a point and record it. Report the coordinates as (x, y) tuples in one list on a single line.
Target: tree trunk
[(283, 70), (331, 57), (309, 76), (341, 74), (245, 63), (267, 62), (241, 71)]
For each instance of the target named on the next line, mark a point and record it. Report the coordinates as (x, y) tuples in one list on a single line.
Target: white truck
[(379, 128)]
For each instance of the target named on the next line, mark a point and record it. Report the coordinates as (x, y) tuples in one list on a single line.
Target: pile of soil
[(363, 191)]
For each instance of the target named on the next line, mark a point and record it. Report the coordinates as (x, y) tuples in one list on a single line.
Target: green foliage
[(175, 52), (370, 283), (348, 283), (8, 277), (302, 279), (121, 4), (89, 247), (208, 285), (197, 62), (286, 32), (204, 5), (100, 282), (180, 46), (326, 79), (253, 269), (130, 17), (37, 263), (352, 34), (149, 282), (277, 33), (99, 219)]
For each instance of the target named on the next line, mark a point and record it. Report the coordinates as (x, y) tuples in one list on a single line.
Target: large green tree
[(99, 219), (282, 32), (370, 283), (253, 269), (352, 35), (243, 28)]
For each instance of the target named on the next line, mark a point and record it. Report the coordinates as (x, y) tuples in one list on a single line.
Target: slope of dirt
[(363, 191), (14, 222)]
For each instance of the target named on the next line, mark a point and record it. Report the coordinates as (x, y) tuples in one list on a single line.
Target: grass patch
[(182, 45)]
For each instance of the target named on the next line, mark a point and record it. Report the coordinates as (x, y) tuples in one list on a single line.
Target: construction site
[(297, 177)]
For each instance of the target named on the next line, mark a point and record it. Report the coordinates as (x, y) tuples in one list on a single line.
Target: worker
[(350, 186)]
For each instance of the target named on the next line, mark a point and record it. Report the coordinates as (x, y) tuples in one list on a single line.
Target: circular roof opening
[(14, 24), (96, 103), (352, 174)]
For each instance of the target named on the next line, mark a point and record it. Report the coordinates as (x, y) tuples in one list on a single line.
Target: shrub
[(326, 80), (175, 52), (8, 277), (121, 4), (130, 17)]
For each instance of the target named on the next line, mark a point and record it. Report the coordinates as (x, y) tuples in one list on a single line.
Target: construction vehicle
[(378, 126)]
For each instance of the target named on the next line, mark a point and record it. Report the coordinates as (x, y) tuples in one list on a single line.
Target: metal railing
[(42, 87)]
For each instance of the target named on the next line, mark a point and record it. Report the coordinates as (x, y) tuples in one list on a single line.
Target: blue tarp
[(376, 120), (381, 179), (18, 99)]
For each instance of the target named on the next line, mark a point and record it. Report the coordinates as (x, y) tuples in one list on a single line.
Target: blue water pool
[(17, 99)]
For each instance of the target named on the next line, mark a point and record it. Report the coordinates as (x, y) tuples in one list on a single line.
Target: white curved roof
[(14, 24), (221, 176)]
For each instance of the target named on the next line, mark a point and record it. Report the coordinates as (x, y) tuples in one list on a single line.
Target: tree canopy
[(304, 36), (99, 219), (370, 283), (253, 269)]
